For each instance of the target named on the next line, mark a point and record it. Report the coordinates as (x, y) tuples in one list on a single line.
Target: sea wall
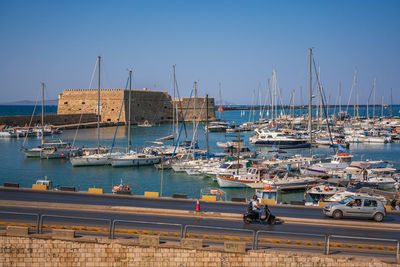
[(52, 119), (61, 250)]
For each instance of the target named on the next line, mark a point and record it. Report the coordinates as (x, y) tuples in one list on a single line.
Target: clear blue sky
[(237, 43)]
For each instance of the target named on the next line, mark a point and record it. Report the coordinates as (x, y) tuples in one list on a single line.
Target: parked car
[(356, 206)]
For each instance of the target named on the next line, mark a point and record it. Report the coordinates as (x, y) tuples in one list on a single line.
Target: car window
[(370, 203)]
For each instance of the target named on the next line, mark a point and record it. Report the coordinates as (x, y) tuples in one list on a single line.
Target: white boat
[(91, 160), (146, 123), (217, 126), (134, 159), (338, 162), (52, 149), (228, 168), (326, 189), (46, 182), (253, 175), (274, 138), (287, 182)]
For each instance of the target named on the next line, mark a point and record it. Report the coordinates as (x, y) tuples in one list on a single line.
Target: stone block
[(17, 231), (62, 234), (146, 240), (239, 247), (191, 243)]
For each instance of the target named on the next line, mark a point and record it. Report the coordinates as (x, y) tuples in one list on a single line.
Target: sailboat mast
[(207, 123), (382, 106), (391, 103), (374, 97), (42, 112), (98, 108), (309, 108), (340, 98), (129, 111), (173, 107)]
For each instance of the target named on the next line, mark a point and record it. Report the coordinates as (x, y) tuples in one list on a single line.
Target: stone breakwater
[(44, 250), (51, 119)]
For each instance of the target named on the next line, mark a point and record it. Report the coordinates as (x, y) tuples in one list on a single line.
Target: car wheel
[(337, 214), (378, 217)]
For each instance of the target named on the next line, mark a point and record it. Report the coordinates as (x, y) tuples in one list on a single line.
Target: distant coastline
[(30, 103)]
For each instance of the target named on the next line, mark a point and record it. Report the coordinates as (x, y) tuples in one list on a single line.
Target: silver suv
[(356, 206)]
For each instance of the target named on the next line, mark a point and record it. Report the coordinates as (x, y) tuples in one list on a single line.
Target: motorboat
[(287, 182), (217, 126), (146, 123), (52, 149), (320, 192), (276, 138), (338, 162), (253, 175), (228, 168)]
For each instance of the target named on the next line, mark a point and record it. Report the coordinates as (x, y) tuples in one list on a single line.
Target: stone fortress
[(145, 105)]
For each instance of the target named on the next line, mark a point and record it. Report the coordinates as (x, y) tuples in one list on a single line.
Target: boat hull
[(116, 162)]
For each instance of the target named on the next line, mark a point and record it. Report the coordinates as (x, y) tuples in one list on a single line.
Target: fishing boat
[(48, 183), (121, 189)]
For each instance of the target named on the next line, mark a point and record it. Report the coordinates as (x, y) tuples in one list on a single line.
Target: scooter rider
[(256, 207)]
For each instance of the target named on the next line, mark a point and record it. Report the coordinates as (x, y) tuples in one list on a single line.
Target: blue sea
[(17, 168)]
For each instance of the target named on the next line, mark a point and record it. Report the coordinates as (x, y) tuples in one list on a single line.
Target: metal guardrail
[(37, 215), (42, 216), (292, 234), (222, 228), (114, 222), (184, 230), (397, 242)]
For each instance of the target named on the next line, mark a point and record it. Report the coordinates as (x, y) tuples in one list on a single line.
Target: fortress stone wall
[(153, 106)]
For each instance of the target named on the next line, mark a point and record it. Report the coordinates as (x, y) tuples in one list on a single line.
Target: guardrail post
[(256, 243), (327, 241), (398, 252), (112, 228), (40, 226), (38, 223), (184, 232), (182, 229)]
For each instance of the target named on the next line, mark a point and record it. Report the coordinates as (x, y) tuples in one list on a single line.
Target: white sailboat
[(98, 158), (131, 158)]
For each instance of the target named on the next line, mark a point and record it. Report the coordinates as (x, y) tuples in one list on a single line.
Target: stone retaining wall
[(43, 250)]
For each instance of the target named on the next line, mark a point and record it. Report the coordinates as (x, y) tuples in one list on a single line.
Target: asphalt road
[(284, 231), (166, 203)]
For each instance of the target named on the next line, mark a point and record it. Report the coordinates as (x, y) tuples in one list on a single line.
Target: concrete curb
[(215, 215)]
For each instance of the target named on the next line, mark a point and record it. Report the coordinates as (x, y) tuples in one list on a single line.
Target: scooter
[(251, 216)]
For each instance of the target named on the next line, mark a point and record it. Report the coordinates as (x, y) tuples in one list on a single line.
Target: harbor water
[(17, 168)]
